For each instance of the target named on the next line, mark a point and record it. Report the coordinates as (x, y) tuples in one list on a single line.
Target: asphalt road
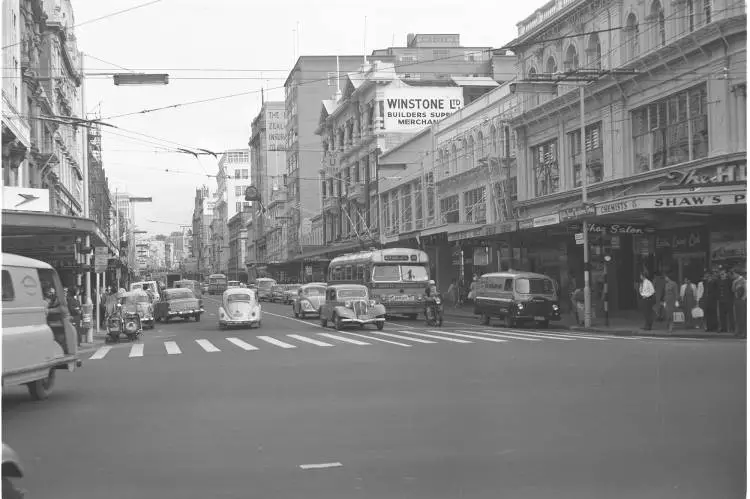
[(493, 413)]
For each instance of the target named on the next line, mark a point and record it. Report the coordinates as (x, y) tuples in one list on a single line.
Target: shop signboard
[(577, 212), (465, 234), (526, 224), (101, 258), (500, 228), (26, 199), (694, 199), (546, 220), (706, 176), (617, 206), (412, 108)]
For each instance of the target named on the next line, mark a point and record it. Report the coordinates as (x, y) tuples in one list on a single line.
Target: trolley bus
[(396, 277), (217, 284)]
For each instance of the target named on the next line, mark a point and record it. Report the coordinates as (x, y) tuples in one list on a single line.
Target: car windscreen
[(535, 286), (178, 294), (241, 297), (414, 273), (314, 292), (386, 273), (352, 293), (266, 284)]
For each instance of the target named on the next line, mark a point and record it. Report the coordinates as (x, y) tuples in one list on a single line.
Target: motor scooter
[(124, 321), (433, 313), (11, 469)]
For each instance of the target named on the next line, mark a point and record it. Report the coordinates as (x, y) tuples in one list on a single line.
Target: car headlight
[(373, 303), (555, 307), (520, 306), (348, 304)]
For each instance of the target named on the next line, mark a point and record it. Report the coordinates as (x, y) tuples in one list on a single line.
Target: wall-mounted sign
[(707, 176), (617, 206), (526, 224), (683, 201), (577, 212), (546, 220), (418, 107), (619, 229), (465, 234), (275, 131), (500, 228), (26, 199)]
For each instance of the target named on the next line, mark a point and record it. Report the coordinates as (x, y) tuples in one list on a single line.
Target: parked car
[(290, 292), (38, 336), (517, 297), (178, 302), (239, 307), (309, 299), (347, 304)]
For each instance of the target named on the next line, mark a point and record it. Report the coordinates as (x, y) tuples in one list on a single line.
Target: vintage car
[(517, 297), (154, 286), (193, 286), (309, 299), (290, 292), (234, 284), (144, 307), (239, 307), (178, 302), (277, 293), (264, 285), (347, 304)]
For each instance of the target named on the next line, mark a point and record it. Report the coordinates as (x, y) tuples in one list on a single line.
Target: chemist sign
[(418, 107)]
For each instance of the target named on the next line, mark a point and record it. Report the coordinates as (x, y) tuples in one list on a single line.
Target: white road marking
[(473, 337), (571, 335), (100, 353), (344, 339), (399, 324), (443, 338), (136, 350), (530, 335), (408, 338), (507, 335), (309, 340), (377, 339), (319, 466), (661, 338), (306, 323), (242, 344), (274, 341), (172, 348), (207, 346)]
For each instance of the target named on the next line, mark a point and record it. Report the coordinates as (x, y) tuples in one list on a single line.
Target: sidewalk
[(626, 323)]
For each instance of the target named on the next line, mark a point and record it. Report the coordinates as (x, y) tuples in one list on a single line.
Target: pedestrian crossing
[(403, 338)]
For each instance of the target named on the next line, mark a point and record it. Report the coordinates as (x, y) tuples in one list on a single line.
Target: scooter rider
[(431, 292)]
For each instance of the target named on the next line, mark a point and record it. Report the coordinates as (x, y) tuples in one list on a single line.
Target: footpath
[(625, 324)]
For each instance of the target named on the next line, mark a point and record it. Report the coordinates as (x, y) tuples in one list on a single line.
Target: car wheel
[(337, 322), (303, 315), (380, 325), (485, 319), (509, 321), (323, 321), (41, 388), (197, 317)]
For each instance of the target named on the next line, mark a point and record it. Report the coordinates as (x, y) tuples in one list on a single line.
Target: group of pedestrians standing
[(458, 293), (717, 303)]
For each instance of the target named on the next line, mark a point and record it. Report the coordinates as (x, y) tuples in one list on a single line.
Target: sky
[(213, 48)]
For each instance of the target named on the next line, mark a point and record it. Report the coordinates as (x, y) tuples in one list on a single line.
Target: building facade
[(201, 239), (237, 229)]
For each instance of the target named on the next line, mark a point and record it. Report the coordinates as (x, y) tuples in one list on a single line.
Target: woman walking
[(688, 301)]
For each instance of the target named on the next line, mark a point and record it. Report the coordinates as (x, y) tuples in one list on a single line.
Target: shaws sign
[(731, 174)]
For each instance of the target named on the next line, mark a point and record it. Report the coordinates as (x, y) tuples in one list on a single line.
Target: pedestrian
[(710, 301), (739, 288), (453, 292), (571, 290), (671, 303), (647, 294), (726, 303), (688, 301), (579, 306), (659, 283), (472, 288), (75, 309)]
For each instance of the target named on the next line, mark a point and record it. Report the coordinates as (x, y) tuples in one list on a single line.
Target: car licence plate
[(539, 318)]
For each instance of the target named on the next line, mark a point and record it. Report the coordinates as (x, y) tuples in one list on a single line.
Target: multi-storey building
[(268, 157), (232, 180), (237, 230), (202, 217)]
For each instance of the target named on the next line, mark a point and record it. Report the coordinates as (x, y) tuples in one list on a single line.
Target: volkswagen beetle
[(309, 299), (347, 304), (239, 307)]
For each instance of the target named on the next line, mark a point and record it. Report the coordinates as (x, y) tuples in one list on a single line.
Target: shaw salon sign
[(729, 174)]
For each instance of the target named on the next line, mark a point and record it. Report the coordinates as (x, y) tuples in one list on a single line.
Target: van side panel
[(27, 339), (492, 298)]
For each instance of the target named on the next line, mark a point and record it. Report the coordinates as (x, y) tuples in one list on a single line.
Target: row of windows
[(666, 132), (242, 173), (238, 157), (471, 152)]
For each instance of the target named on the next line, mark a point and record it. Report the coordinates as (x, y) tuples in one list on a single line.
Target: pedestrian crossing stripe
[(401, 338)]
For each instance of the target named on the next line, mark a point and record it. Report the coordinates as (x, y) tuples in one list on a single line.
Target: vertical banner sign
[(101, 257)]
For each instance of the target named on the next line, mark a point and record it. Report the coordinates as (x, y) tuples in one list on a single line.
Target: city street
[(458, 411)]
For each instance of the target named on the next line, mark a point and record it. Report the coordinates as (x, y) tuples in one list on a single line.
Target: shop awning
[(28, 223), (474, 81), (458, 232), (434, 230)]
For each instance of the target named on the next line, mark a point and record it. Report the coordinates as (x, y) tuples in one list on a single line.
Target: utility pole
[(547, 83)]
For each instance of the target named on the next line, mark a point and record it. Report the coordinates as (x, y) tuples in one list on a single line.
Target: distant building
[(201, 239)]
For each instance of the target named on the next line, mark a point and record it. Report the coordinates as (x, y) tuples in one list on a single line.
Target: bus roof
[(390, 255)]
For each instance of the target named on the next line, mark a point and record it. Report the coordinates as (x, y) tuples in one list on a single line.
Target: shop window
[(8, 293), (449, 209), (546, 168), (671, 131), (475, 202), (594, 154)]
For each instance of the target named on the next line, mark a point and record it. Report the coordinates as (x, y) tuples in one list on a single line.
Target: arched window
[(551, 65), (571, 58), (690, 16), (631, 34), (494, 139), (467, 154), (594, 52), (454, 159), (480, 145), (657, 16)]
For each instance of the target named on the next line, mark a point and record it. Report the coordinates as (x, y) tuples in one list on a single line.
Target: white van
[(38, 337), (152, 286)]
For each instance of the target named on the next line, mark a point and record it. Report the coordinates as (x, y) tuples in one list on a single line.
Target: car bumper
[(185, 313), (374, 320), (522, 316), (231, 322)]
